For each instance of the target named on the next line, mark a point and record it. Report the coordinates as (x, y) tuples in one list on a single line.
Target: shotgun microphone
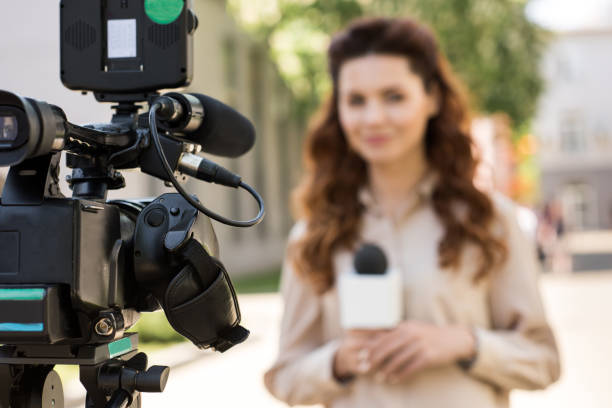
[(217, 127)]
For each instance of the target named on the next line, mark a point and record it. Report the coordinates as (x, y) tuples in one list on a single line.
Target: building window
[(601, 135), (572, 134), (579, 201)]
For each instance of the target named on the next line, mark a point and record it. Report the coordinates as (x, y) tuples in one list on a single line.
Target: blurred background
[(538, 73)]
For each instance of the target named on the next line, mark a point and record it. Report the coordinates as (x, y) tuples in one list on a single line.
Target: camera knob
[(152, 380), (192, 22), (156, 218)]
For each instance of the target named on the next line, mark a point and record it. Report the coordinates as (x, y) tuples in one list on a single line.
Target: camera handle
[(172, 262)]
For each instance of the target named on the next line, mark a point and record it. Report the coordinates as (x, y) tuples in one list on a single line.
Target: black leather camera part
[(192, 286)]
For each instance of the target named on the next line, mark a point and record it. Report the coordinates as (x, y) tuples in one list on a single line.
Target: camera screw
[(104, 327), (189, 148)]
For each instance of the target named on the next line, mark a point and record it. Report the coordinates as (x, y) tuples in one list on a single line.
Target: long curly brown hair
[(327, 198)]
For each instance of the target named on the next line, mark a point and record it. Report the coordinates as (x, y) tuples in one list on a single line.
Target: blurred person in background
[(553, 248), (495, 173), (389, 161)]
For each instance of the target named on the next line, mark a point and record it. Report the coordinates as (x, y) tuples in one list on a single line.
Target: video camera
[(76, 272)]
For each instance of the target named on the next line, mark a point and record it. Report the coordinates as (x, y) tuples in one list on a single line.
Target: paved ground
[(579, 309)]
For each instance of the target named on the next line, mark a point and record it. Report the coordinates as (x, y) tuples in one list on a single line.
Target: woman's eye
[(394, 97), (356, 100)]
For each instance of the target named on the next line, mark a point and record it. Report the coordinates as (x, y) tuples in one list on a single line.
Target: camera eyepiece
[(28, 128), (8, 128)]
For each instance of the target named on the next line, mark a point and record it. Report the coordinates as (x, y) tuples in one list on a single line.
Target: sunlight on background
[(571, 14)]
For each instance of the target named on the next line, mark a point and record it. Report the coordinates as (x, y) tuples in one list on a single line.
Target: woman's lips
[(376, 140)]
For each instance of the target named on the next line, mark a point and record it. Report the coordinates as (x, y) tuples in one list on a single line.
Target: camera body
[(69, 255), (76, 272)]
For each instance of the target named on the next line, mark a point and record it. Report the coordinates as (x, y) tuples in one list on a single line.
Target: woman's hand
[(353, 355), (413, 346)]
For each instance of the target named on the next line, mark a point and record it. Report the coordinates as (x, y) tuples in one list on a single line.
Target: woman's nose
[(373, 113)]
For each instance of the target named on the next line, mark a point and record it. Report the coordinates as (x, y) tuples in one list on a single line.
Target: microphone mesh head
[(370, 260)]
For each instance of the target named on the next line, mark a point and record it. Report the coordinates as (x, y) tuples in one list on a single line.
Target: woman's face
[(384, 108)]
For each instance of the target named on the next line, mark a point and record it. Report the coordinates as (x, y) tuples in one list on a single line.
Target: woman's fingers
[(412, 346), (392, 342), (383, 350), (359, 343), (363, 360), (418, 362), (365, 333), (401, 359), (353, 356)]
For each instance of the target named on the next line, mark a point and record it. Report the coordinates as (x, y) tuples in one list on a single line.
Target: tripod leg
[(41, 387), (120, 399), (8, 375), (96, 398), (99, 396), (31, 387)]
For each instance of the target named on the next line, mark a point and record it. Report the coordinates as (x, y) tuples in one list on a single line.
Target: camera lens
[(8, 128), (28, 128)]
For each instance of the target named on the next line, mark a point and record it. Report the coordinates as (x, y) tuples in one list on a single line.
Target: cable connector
[(169, 108), (206, 170), (191, 165)]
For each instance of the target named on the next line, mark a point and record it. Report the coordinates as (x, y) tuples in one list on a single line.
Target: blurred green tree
[(492, 46)]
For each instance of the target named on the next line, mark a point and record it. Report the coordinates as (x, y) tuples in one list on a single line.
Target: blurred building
[(228, 65), (574, 127), (497, 166)]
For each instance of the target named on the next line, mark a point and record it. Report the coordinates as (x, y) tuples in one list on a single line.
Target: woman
[(390, 162)]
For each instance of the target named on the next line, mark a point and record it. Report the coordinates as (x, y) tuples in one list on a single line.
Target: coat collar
[(420, 194)]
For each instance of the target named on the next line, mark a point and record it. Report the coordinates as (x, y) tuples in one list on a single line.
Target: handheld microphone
[(370, 260), (218, 128), (370, 295)]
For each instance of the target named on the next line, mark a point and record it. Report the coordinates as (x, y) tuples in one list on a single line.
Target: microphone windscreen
[(370, 260), (224, 131)]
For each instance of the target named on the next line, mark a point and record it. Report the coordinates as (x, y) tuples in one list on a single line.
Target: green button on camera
[(164, 11)]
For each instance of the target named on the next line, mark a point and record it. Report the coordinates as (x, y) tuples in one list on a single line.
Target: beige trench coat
[(516, 348)]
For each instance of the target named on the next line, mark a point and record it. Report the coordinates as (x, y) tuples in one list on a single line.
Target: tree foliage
[(492, 46)]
